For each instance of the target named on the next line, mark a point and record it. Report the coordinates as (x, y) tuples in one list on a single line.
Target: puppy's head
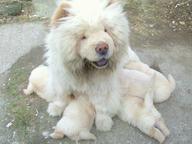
[(90, 33)]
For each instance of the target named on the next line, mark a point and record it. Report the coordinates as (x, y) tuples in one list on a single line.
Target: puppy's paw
[(103, 122), (160, 124), (57, 134), (159, 131), (29, 89), (26, 92), (54, 109)]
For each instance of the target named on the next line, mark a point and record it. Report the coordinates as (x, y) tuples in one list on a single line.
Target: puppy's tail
[(171, 82)]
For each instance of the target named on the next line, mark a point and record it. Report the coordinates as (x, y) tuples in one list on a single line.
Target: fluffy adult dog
[(87, 48)]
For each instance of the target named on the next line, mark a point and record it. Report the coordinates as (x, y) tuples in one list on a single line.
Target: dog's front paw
[(54, 109), (103, 122)]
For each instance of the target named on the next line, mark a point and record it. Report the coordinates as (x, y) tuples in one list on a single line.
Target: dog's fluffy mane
[(77, 16)]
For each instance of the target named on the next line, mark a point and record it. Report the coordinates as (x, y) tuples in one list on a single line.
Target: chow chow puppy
[(77, 121), (85, 50), (163, 86), (37, 82), (142, 114)]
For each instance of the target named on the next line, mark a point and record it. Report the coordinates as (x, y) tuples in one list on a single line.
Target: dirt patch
[(153, 17)]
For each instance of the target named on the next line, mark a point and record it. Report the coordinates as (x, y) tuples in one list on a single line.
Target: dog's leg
[(149, 121), (161, 125), (56, 108), (152, 127), (103, 122)]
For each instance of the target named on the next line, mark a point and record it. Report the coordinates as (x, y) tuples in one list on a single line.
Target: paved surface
[(17, 40), (172, 51)]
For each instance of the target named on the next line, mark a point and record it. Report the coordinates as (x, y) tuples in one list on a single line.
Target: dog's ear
[(111, 2), (59, 13)]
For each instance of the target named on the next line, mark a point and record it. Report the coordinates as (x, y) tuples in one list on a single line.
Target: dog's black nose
[(102, 49)]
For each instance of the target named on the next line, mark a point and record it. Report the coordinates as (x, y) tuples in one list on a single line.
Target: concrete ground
[(24, 119)]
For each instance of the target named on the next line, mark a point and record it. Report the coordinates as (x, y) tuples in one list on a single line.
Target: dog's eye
[(83, 37), (105, 30)]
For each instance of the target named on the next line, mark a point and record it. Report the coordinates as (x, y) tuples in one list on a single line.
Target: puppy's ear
[(59, 13)]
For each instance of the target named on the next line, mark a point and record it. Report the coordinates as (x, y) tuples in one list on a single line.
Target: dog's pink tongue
[(102, 62)]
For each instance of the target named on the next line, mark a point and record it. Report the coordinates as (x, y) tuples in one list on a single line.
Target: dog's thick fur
[(163, 86), (38, 80), (77, 28), (69, 57)]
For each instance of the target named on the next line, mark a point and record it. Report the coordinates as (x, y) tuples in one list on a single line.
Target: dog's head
[(90, 33)]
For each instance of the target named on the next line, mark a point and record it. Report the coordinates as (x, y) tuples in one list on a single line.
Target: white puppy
[(163, 86), (37, 82), (79, 115), (77, 120), (142, 114)]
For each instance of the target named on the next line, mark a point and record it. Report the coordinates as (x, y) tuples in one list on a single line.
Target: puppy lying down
[(144, 115), (140, 87), (77, 120)]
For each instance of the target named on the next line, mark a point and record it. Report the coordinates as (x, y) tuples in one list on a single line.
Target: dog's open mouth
[(102, 63)]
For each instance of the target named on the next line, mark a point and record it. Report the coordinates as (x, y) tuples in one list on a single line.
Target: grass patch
[(18, 107)]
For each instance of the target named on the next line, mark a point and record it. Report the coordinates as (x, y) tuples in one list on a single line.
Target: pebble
[(10, 124), (45, 134), (182, 22)]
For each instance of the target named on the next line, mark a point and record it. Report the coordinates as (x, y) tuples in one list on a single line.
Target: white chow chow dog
[(87, 48), (77, 120)]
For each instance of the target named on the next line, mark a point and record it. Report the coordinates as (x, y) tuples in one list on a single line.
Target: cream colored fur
[(37, 82), (163, 86), (77, 121), (71, 52), (142, 114), (67, 52)]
